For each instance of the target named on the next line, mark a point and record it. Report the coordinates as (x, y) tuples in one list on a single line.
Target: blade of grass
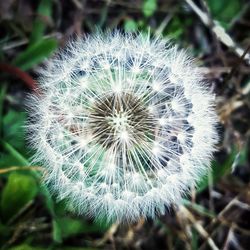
[(219, 170), (198, 208), (194, 242), (35, 54), (2, 95), (12, 151), (44, 12)]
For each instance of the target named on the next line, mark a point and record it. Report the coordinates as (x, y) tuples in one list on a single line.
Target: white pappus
[(123, 125)]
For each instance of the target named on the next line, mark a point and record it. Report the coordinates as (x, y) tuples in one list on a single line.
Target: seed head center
[(120, 120)]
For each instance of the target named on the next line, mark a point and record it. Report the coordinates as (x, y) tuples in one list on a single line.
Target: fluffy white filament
[(123, 125)]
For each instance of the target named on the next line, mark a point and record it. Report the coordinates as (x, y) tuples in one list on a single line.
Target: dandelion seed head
[(124, 126)]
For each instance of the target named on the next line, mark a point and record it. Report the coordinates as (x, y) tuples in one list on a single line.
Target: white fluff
[(124, 126)]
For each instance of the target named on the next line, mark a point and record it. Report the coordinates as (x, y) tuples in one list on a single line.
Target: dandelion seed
[(124, 126)]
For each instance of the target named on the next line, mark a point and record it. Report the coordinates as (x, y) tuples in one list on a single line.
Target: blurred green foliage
[(12, 133), (44, 12), (225, 10), (235, 157), (149, 7), (39, 48), (28, 247), (13, 128), (18, 191), (130, 25), (35, 54)]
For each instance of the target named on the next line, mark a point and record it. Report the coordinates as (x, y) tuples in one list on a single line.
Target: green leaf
[(77, 248), (35, 54), (200, 209), (57, 231), (43, 189), (2, 96), (175, 28), (149, 7), (44, 12), (75, 226), (26, 247), (14, 153), (13, 131), (130, 25), (225, 10), (219, 170), (7, 160), (194, 240), (19, 190)]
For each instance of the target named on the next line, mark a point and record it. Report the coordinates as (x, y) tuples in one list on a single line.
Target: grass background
[(217, 215)]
